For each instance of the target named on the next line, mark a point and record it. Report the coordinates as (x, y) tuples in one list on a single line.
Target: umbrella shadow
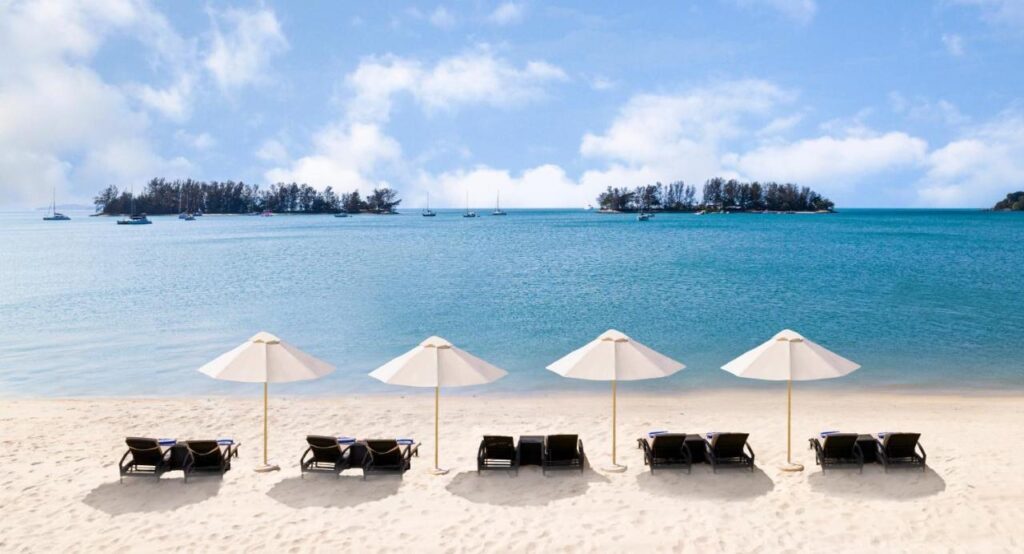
[(324, 491), (136, 496), (530, 487), (899, 484), (702, 483)]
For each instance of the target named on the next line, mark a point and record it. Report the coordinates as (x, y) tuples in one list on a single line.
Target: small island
[(1014, 202), (163, 197), (718, 195)]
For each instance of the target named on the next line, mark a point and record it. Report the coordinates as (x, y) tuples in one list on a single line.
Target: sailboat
[(428, 212), (497, 206), (133, 219), (52, 213), (468, 213), (185, 215), (641, 216)]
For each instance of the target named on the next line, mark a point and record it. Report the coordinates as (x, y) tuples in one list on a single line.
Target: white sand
[(59, 487)]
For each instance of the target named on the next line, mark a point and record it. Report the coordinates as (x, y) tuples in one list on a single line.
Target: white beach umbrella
[(789, 357), (437, 363), (266, 359), (615, 357)]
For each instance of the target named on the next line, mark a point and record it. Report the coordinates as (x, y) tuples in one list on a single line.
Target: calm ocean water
[(922, 299)]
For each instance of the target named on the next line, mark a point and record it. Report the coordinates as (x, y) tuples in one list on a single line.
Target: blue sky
[(872, 103)]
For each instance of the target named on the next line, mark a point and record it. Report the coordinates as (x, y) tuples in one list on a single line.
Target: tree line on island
[(161, 197), (718, 195)]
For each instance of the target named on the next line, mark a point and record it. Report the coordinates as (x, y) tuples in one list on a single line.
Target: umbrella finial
[(612, 335), (265, 338)]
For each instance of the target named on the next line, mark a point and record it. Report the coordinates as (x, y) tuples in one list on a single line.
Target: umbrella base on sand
[(438, 471), (266, 468), (614, 468), (791, 467)]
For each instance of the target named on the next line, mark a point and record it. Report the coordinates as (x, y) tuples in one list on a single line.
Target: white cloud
[(599, 82), (243, 43), (954, 44), (800, 11), (344, 155), (923, 109), (473, 77), (61, 125), (442, 18), (1006, 13), (272, 150), (198, 141), (507, 14), (978, 168), (830, 160), (173, 102)]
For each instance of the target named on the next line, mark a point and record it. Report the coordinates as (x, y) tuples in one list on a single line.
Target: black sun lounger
[(148, 459), (562, 452), (666, 451), (838, 450), (497, 452), (208, 457), (325, 455), (728, 450), (901, 450), (387, 456)]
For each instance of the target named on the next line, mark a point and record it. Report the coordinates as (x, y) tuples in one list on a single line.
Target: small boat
[(469, 213), (52, 213), (189, 217), (341, 214), (702, 212), (133, 219), (266, 213), (589, 208), (497, 206), (644, 217), (427, 212)]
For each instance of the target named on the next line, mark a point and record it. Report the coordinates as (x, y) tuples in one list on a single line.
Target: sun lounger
[(729, 450), (837, 450), (327, 454), (211, 457), (563, 452), (666, 451), (388, 456), (148, 459), (497, 452), (901, 450)]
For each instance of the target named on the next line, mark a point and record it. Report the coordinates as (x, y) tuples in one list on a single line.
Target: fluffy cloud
[(800, 11), (506, 14), (60, 122), (473, 77), (978, 168), (344, 155), (954, 44), (243, 43)]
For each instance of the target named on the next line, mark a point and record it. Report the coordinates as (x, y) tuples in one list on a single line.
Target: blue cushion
[(346, 440), (405, 442), (167, 442), (652, 434)]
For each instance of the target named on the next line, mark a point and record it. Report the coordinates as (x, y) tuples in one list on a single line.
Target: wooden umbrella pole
[(614, 416), (437, 404), (265, 396), (789, 421)]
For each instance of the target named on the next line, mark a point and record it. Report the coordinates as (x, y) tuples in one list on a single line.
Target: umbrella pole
[(790, 466), (437, 403), (615, 467), (266, 465)]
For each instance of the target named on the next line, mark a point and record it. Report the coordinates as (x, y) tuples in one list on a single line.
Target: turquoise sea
[(922, 299)]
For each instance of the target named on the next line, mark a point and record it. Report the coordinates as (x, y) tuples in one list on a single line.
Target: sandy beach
[(60, 487)]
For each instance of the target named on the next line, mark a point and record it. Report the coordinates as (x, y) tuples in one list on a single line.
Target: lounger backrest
[(205, 453), (900, 445), (729, 445), (499, 447), (145, 451), (325, 449), (356, 453), (385, 452), (839, 445), (668, 445), (562, 447)]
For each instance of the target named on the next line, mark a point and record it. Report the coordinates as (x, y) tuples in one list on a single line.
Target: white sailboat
[(428, 212), (52, 214), (469, 213), (497, 206), (133, 219)]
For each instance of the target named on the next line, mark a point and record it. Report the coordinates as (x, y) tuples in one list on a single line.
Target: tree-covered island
[(718, 195), (1014, 202)]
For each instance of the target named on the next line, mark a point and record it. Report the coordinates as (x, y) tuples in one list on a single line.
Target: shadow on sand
[(147, 495), (529, 488), (724, 485), (326, 491), (898, 484)]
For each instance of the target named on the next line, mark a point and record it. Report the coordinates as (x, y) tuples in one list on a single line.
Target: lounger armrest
[(858, 453), (924, 456), (480, 453), (579, 448), (123, 466), (750, 450), (302, 460)]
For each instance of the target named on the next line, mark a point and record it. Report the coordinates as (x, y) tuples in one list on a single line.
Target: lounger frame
[(492, 454), (729, 452), (658, 456), (549, 460), (830, 456)]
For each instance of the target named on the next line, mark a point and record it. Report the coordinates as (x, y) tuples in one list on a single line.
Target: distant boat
[(341, 214), (497, 206), (589, 208), (52, 213), (641, 216), (266, 213), (469, 213), (702, 212), (188, 217), (427, 212), (133, 219)]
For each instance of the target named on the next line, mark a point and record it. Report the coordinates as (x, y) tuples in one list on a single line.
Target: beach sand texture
[(60, 489)]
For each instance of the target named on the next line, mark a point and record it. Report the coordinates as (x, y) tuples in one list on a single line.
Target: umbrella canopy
[(437, 363), (613, 356), (789, 356), (265, 358)]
